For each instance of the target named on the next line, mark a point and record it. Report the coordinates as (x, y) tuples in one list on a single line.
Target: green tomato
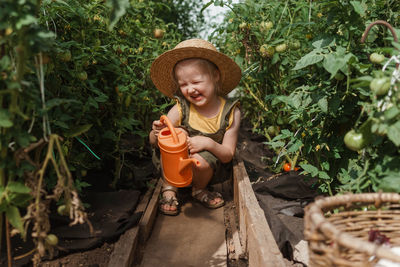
[(355, 141), (281, 48), (51, 240), (266, 25), (63, 210), (273, 130), (294, 45), (267, 51), (97, 42), (243, 25), (66, 56), (339, 76), (82, 75), (377, 58), (380, 86)]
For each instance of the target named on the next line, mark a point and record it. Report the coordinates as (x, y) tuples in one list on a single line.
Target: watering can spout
[(185, 163)]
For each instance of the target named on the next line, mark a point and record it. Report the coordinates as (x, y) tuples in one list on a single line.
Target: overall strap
[(185, 107), (229, 106)]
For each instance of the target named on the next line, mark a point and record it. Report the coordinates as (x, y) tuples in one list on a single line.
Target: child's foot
[(211, 200), (168, 203)]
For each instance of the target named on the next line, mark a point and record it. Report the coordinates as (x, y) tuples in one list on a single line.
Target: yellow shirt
[(205, 124)]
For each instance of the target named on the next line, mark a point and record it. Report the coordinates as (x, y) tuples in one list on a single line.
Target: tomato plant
[(60, 115), (318, 88)]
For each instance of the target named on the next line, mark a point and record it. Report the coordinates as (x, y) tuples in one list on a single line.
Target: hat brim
[(161, 71)]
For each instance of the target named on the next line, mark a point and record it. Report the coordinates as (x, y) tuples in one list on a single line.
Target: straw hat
[(161, 71)]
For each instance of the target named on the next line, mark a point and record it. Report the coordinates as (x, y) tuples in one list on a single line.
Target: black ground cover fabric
[(281, 196), (111, 214), (283, 199)]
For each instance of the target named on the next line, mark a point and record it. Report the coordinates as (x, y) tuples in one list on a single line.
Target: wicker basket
[(337, 229)]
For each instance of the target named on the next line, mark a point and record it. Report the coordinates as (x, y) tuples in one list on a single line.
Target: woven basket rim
[(317, 221)]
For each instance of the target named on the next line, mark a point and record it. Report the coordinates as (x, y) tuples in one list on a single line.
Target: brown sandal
[(171, 201), (205, 197)]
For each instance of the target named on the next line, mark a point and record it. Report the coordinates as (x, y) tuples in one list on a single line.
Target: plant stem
[(1, 230), (329, 189), (9, 258), (255, 97), (2, 183)]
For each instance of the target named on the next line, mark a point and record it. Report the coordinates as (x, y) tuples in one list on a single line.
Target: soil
[(97, 257)]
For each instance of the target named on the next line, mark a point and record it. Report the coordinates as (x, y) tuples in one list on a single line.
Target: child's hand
[(198, 143), (157, 126)]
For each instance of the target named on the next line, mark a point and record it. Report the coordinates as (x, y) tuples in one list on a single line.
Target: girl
[(198, 77)]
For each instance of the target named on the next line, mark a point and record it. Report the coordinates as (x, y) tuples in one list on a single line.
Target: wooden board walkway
[(198, 236)]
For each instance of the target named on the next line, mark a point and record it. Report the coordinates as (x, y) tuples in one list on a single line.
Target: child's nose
[(191, 88)]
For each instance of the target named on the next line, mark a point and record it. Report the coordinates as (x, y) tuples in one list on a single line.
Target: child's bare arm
[(224, 151)]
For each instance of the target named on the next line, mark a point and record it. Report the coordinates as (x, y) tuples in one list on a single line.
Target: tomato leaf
[(323, 175), (335, 61), (323, 104), (394, 133), (313, 171), (119, 8), (58, 102), (5, 119), (391, 113), (4, 62), (14, 217), (359, 7), (390, 183), (78, 130), (309, 59), (18, 188), (25, 20)]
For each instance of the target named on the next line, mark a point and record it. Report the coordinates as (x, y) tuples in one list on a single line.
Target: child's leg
[(201, 177)]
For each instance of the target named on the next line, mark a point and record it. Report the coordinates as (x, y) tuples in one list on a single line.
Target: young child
[(198, 77)]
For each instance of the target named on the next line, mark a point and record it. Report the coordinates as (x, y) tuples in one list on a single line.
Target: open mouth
[(196, 97)]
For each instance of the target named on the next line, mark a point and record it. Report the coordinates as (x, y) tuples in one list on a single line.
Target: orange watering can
[(176, 164)]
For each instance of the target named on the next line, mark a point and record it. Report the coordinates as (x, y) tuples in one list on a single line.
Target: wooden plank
[(237, 247), (147, 221), (256, 235), (125, 248)]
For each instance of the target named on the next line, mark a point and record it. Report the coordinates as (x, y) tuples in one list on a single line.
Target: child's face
[(196, 82)]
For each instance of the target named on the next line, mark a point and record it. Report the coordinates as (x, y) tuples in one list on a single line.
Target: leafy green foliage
[(318, 88), (80, 70)]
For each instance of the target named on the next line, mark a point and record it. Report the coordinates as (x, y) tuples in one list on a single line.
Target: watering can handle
[(164, 119)]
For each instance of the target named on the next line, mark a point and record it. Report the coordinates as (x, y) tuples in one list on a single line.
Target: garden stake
[(395, 74), (80, 141), (381, 22)]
